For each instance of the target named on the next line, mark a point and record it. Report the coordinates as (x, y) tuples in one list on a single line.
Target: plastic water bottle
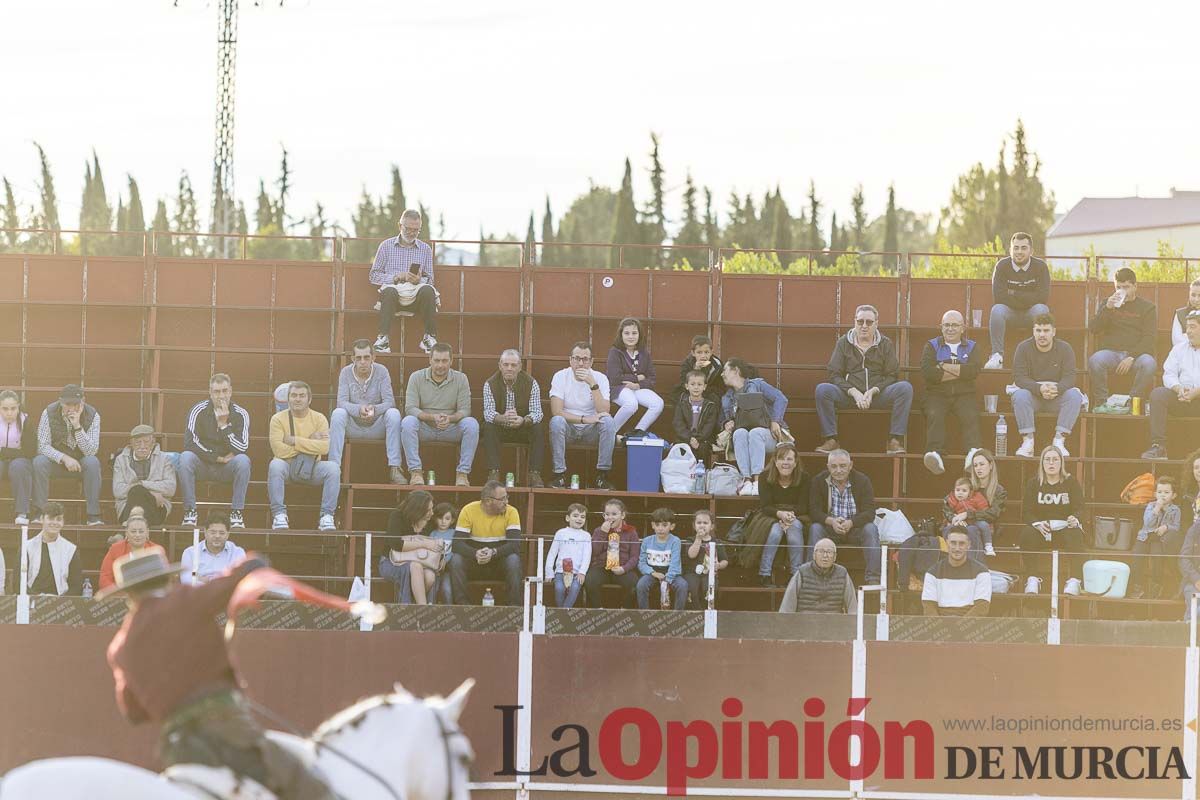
[(488, 598), (698, 476), (1001, 437), (87, 588)]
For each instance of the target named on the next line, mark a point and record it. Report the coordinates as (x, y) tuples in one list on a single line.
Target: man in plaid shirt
[(512, 412), (400, 287), (841, 503)]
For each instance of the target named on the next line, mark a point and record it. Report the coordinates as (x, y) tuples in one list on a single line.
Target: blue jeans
[(386, 427), (562, 433), (1026, 404), (750, 448), (1102, 361), (20, 473), (795, 546), (465, 432), (192, 469), (282, 471), (400, 574), (507, 569), (89, 472), (867, 537), (898, 396), (678, 586), (564, 597), (1001, 315)]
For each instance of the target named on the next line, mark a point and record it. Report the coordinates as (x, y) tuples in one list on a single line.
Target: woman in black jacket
[(783, 492), (18, 446), (1050, 508)]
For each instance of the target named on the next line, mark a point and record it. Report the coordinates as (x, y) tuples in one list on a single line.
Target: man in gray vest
[(821, 585)]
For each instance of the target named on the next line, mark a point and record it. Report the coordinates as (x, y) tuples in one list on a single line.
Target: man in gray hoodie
[(864, 372), (366, 408)]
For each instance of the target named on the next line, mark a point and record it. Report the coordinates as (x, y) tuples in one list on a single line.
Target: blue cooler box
[(643, 460)]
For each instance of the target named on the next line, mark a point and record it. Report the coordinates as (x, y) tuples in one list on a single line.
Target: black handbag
[(751, 411)]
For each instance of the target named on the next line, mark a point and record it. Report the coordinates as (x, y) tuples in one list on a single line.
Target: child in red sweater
[(960, 506)]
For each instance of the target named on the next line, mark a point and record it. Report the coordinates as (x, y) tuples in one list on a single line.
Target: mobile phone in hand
[(414, 269)]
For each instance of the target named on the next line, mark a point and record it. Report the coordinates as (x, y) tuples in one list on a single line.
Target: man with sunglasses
[(949, 364), (864, 372)]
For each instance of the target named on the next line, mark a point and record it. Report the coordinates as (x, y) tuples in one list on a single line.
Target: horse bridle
[(447, 733)]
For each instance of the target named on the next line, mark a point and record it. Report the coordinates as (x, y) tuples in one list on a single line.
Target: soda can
[(1137, 406), (510, 480), (431, 478), (575, 481)]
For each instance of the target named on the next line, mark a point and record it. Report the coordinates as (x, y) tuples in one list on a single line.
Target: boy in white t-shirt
[(569, 557), (579, 405)]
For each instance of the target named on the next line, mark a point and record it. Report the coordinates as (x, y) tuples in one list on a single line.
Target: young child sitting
[(697, 416), (615, 546), (423, 579), (569, 557), (1161, 522), (659, 561), (697, 565), (959, 508), (702, 359)]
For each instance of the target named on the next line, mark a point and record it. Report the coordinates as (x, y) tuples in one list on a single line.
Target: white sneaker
[(933, 463), (1061, 444), (382, 345), (1033, 585), (279, 522), (970, 457), (21, 520), (427, 343), (1072, 586), (749, 489), (988, 550), (326, 523), (995, 362), (1026, 448)]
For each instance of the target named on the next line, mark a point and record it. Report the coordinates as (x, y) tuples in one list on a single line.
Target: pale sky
[(539, 97)]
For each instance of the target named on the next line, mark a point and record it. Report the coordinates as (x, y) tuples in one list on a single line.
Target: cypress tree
[(625, 224), (692, 231), (1003, 221), (135, 219), (162, 225), (550, 254), (12, 219), (285, 187), (243, 227), (530, 238), (186, 218), (264, 214), (655, 227), (396, 203), (483, 256), (835, 241), (814, 219), (858, 206), (47, 216), (781, 229), (712, 235), (891, 232)]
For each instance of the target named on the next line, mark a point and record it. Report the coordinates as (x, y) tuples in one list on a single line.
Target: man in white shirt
[(579, 405), (217, 553), (1179, 396)]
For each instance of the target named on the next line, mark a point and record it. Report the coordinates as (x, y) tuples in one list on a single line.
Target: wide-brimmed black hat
[(137, 569)]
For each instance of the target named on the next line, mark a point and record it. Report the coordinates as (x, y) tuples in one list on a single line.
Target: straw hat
[(137, 569)]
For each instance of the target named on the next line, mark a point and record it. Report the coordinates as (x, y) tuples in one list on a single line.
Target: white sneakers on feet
[(933, 462), (382, 345), (1026, 448), (326, 523), (427, 343), (988, 550), (21, 519), (1033, 585), (995, 362), (279, 522), (1072, 586), (1061, 444), (749, 488)]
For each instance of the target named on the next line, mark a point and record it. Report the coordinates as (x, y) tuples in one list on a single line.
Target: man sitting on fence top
[(512, 412), (215, 441), (1179, 396), (949, 364), (579, 405), (864, 372), (821, 584), (68, 437), (1124, 327), (957, 586), (366, 408), (403, 271), (299, 438), (1020, 292), (437, 408)]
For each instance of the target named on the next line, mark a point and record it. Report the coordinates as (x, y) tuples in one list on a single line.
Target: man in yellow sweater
[(299, 439)]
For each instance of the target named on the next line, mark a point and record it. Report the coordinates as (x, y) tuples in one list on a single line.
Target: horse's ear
[(458, 698), (400, 690)]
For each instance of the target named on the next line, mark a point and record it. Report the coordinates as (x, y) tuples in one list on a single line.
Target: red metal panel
[(54, 324), (810, 299), (116, 280), (115, 325), (809, 346), (246, 329), (51, 366), (449, 285), (756, 345), (180, 369), (184, 326), (488, 335), (304, 330), (364, 326), (627, 296), (553, 337), (12, 277), (249, 372), (749, 298), (491, 289), (671, 343), (55, 278), (181, 281), (679, 295), (304, 286), (931, 298), (879, 292), (115, 368), (243, 283), (359, 291), (560, 291), (1069, 301)]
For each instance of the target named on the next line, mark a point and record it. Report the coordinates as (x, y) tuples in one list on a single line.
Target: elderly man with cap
[(171, 667), (143, 476), (68, 438), (821, 585)]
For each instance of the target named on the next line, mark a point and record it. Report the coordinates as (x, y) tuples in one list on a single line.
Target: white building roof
[(1109, 214)]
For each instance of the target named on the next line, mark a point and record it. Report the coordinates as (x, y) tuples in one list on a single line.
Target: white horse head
[(407, 742)]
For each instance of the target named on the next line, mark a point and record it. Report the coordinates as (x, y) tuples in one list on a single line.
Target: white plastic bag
[(893, 526), (676, 470)]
